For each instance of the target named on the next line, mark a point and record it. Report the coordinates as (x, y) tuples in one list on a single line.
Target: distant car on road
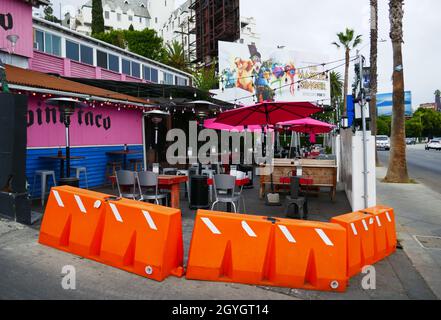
[(383, 142), (434, 144), (410, 141)]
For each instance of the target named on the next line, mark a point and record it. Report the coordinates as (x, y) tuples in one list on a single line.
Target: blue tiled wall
[(95, 162)]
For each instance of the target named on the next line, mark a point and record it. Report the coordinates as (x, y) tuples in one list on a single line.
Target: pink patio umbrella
[(212, 124), (267, 113), (308, 125)]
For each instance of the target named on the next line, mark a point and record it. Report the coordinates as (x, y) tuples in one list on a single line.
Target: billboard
[(384, 104), (250, 72)]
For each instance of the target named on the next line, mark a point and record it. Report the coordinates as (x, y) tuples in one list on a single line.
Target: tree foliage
[(146, 43), (97, 17), (206, 78), (348, 41), (49, 14), (176, 56)]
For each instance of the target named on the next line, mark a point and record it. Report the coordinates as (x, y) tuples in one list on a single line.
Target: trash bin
[(199, 192)]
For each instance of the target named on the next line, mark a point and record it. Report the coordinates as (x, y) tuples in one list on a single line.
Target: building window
[(101, 59), (130, 18), (106, 14), (126, 67), (72, 50), (39, 40), (156, 20), (47, 42), (180, 81), (146, 73), (136, 72), (154, 75), (86, 55), (168, 78), (140, 19), (113, 63), (118, 16)]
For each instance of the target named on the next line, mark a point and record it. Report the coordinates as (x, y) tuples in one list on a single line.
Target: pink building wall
[(109, 127), (21, 15)]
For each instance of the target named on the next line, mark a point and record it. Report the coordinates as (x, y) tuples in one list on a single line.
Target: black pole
[(67, 124)]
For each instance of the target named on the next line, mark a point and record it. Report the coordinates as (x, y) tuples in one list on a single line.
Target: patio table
[(124, 154), (172, 183), (62, 159)]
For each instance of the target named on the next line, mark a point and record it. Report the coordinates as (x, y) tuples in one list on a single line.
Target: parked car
[(410, 141), (434, 144), (383, 142)]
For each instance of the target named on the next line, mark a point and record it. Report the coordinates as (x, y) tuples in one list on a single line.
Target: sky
[(312, 25)]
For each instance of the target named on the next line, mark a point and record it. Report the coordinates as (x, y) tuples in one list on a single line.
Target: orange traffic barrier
[(360, 240), (138, 237), (383, 221), (265, 251)]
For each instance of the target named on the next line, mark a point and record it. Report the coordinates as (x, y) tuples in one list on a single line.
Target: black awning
[(163, 95)]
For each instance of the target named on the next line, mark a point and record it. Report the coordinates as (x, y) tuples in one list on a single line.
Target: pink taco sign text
[(16, 19), (99, 126)]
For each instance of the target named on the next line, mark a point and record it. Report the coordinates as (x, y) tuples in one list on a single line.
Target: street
[(423, 166)]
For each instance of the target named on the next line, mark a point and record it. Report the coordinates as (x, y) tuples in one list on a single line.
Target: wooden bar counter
[(322, 172)]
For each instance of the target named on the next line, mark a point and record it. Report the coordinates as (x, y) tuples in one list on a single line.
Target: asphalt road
[(423, 166)]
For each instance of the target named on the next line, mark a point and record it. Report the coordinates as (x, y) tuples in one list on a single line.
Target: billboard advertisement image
[(384, 104), (249, 73)]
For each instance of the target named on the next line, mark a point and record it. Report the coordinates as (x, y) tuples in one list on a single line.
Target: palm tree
[(373, 75), (348, 42), (176, 56), (397, 170), (438, 100), (336, 92)]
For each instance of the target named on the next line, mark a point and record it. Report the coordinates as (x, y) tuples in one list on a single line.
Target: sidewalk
[(418, 213)]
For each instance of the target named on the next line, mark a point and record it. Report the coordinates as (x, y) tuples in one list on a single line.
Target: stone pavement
[(34, 271), (418, 213)]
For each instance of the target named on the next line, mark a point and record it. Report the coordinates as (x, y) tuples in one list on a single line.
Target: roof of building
[(160, 93), (138, 7), (37, 3), (33, 79)]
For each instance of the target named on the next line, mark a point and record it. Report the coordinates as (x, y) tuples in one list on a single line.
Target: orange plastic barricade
[(360, 240), (266, 251), (138, 237), (383, 221)]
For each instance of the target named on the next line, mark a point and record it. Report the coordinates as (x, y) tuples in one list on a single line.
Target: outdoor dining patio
[(291, 184)]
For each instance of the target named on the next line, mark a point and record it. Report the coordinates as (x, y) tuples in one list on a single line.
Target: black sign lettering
[(6, 21), (106, 123), (98, 117), (30, 118), (50, 116), (89, 119)]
